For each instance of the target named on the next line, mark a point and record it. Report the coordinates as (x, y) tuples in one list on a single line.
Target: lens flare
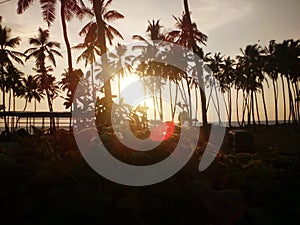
[(162, 132)]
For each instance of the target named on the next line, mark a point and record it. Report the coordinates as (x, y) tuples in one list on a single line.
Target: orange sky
[(229, 24)]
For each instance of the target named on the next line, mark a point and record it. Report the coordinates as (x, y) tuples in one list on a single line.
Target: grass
[(44, 180)]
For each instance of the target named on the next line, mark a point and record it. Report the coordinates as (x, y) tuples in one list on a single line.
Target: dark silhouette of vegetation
[(7, 55), (45, 49), (56, 186), (249, 75)]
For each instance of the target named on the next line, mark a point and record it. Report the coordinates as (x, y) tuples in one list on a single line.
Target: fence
[(26, 120)]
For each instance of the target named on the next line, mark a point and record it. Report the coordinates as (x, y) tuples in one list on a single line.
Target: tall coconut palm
[(68, 10), (43, 50), (104, 32), (151, 67), (31, 91), (90, 50), (288, 55), (238, 81), (271, 68), (188, 35), (7, 55), (13, 84), (69, 84), (251, 65), (214, 80), (121, 62), (226, 81)]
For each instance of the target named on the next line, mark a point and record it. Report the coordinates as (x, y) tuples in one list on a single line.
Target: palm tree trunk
[(252, 108), (203, 105), (190, 100), (171, 99), (145, 93), (284, 101), (160, 100), (218, 105), (198, 66), (296, 110), (25, 106), (154, 106), (275, 102), (183, 92), (229, 107), (9, 100), (52, 120), (175, 101), (265, 106), (3, 100), (297, 100), (292, 108), (102, 43), (119, 87), (65, 35), (245, 107), (209, 97), (257, 110), (248, 103), (237, 108), (14, 109), (9, 109), (93, 82), (196, 110)]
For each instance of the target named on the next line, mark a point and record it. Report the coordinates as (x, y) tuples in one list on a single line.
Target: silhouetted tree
[(189, 36), (105, 31), (31, 91), (68, 10), (45, 49), (7, 55)]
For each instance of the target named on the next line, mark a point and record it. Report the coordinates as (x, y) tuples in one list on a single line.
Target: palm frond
[(112, 15), (13, 42), (52, 44), (55, 52), (48, 10), (114, 31), (86, 28), (34, 41), (23, 5), (107, 4)]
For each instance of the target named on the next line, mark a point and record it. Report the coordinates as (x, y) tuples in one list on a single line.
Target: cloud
[(211, 14)]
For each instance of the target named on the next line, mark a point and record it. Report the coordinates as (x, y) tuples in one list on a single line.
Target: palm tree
[(226, 81), (288, 56), (45, 49), (13, 84), (151, 67), (238, 81), (215, 64), (69, 83), (105, 31), (271, 68), (189, 36), (31, 91), (174, 76), (90, 50), (251, 65), (68, 10), (122, 63), (7, 54)]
